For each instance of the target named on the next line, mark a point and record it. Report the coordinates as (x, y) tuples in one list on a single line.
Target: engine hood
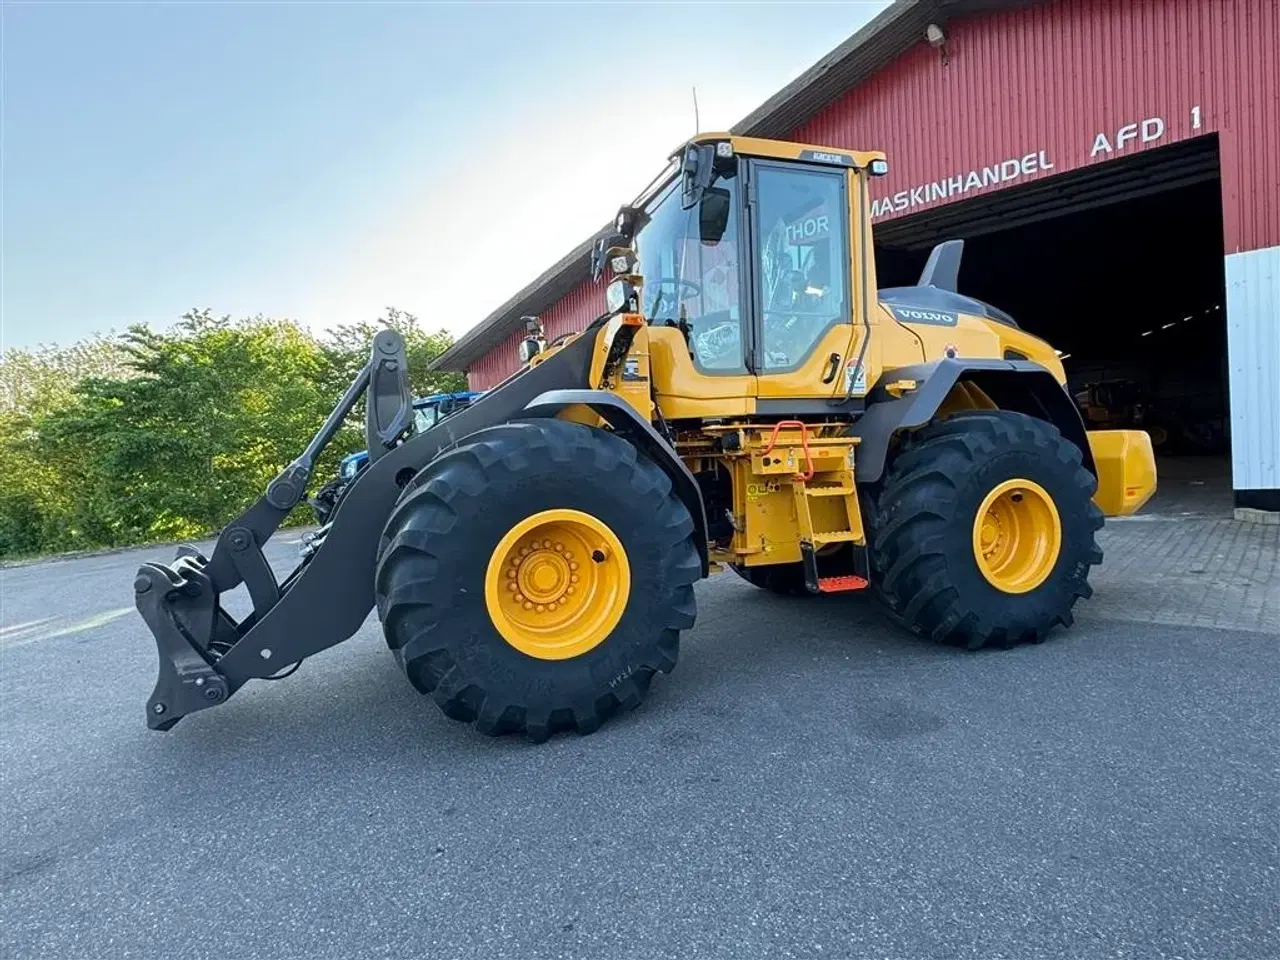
[(934, 305)]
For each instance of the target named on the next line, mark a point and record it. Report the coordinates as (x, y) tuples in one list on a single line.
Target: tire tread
[(913, 517), (432, 505)]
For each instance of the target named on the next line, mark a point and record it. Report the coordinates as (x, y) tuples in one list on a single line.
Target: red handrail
[(804, 444)]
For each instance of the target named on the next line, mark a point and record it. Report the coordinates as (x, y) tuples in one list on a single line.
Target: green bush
[(149, 436)]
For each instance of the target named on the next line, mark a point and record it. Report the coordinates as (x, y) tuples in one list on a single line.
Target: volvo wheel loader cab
[(747, 399)]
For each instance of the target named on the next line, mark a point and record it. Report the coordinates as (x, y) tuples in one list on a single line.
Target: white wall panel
[(1253, 353)]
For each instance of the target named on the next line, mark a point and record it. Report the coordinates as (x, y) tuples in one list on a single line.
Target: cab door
[(806, 321), (695, 270)]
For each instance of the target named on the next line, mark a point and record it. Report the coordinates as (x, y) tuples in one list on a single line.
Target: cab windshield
[(690, 263)]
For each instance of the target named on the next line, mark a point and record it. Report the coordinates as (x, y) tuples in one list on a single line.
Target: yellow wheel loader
[(748, 399)]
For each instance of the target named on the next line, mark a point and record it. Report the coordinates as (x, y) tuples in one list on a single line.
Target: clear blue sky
[(324, 161)]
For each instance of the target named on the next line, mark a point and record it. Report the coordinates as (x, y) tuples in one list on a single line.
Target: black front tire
[(923, 554), (437, 546)]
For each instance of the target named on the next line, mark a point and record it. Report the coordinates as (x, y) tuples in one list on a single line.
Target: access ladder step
[(845, 583), (841, 584), (833, 491), (834, 536)]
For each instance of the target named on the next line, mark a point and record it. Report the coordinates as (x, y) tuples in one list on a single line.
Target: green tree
[(348, 348), (35, 386), (167, 435), (211, 412), (35, 382)]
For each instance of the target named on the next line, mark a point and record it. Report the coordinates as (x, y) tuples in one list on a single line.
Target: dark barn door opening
[(1120, 268)]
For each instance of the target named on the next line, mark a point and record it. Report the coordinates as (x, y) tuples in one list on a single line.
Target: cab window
[(689, 261), (803, 261), (424, 418)]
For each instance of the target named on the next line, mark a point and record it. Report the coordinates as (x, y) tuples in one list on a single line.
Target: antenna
[(697, 125)]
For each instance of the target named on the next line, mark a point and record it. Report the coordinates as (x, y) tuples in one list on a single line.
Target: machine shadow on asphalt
[(792, 637)]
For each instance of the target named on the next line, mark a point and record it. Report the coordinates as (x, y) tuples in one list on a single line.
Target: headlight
[(619, 295), (348, 469)]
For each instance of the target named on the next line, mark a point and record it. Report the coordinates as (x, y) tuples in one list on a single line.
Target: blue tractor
[(427, 412)]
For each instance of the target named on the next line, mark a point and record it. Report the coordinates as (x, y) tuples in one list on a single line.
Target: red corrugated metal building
[(1122, 154)]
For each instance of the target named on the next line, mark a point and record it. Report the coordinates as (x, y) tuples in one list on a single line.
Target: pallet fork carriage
[(532, 557)]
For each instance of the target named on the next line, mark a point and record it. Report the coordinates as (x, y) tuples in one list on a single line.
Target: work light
[(622, 263), (620, 296)]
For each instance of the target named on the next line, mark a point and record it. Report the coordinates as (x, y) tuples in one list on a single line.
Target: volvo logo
[(918, 315)]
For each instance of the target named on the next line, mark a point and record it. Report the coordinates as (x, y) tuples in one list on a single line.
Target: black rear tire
[(437, 546), (923, 553), (784, 579)]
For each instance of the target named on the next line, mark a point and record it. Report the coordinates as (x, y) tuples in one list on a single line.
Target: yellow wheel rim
[(1017, 536), (557, 584)]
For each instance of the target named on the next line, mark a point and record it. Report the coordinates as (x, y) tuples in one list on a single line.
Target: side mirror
[(697, 170), (597, 258), (529, 348), (713, 214)]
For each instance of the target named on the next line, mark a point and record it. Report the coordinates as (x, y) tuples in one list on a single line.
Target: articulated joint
[(289, 487)]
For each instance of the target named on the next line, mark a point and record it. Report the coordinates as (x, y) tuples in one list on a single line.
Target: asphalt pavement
[(809, 782)]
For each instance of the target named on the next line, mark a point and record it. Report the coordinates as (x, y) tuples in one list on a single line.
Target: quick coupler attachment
[(178, 603)]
